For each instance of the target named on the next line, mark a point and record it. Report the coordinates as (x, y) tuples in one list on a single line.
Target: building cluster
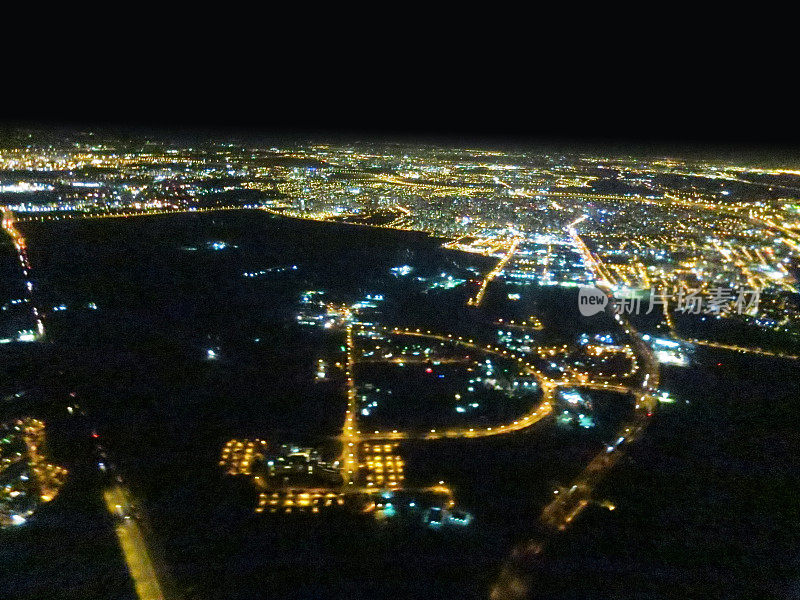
[(27, 479)]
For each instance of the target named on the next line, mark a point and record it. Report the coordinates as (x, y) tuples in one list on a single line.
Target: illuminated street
[(133, 545)]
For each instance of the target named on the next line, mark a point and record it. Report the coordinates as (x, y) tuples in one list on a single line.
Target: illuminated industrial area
[(27, 479)]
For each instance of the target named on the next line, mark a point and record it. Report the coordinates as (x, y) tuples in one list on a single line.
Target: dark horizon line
[(656, 141)]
